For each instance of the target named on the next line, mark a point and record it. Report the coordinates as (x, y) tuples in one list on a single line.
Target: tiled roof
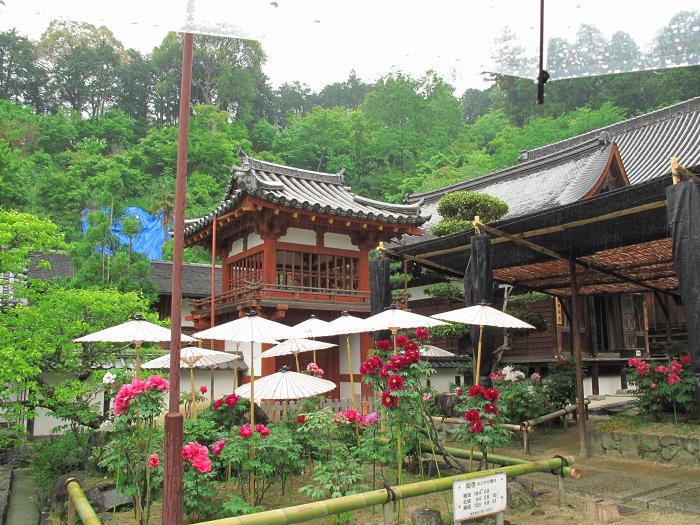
[(196, 278), (305, 189), (563, 172), (448, 362)]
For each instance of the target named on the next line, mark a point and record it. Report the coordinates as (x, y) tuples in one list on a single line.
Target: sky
[(318, 42)]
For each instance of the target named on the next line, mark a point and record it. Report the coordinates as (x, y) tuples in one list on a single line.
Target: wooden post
[(576, 342), (212, 304), (477, 369)]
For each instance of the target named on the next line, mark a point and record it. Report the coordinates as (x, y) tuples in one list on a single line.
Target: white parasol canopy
[(296, 346), (192, 356), (395, 319), (434, 351), (310, 327), (248, 329), (286, 384), (483, 315), (138, 330), (346, 324)]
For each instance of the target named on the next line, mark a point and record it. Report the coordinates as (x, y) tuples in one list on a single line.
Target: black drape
[(478, 288), (683, 211), (380, 289)]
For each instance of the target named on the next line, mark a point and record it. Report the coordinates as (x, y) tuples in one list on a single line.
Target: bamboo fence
[(279, 410)]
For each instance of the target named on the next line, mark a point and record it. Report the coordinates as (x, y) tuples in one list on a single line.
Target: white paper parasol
[(295, 346), (286, 384), (395, 319), (482, 315), (136, 331), (434, 351), (307, 329)]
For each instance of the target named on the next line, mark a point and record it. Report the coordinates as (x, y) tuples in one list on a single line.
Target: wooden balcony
[(260, 295)]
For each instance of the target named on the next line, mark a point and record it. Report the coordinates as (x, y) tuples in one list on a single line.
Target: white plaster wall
[(442, 380), (354, 349), (244, 348), (345, 391), (223, 381), (254, 239), (606, 385), (300, 236), (236, 247), (338, 240), (186, 310)]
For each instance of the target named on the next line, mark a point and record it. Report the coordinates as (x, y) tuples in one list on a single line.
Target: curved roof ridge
[(289, 171)]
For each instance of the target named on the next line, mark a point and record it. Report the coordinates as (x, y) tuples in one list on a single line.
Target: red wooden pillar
[(269, 275), (366, 341)]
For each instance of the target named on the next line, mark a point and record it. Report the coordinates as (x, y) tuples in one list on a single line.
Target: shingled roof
[(304, 189), (565, 171)]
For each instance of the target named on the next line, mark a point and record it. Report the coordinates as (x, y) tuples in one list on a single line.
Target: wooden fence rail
[(279, 410)]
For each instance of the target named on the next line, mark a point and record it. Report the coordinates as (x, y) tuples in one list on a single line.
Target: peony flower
[(157, 382), (673, 379), (202, 464), (395, 382), (371, 365), (231, 400), (218, 403), (536, 377), (192, 450), (459, 391), (203, 389), (383, 344), (411, 346), (262, 430), (491, 394), (153, 460), (108, 378), (491, 409), (653, 385), (401, 341), (387, 369), (422, 334), (643, 367), (301, 419), (472, 415), (216, 448), (352, 415), (371, 418), (686, 360), (476, 391), (675, 367), (427, 397), (389, 399), (476, 427), (661, 369), (245, 431)]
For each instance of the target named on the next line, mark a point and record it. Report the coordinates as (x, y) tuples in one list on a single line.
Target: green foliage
[(56, 456), (22, 233), (522, 397), (444, 291), (560, 388), (451, 330), (529, 316), (663, 388), (459, 208), (527, 298)]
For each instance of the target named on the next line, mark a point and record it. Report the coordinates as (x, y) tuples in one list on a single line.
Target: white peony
[(109, 378)]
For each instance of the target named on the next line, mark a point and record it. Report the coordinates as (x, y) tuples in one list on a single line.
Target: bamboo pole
[(192, 416), (251, 478), (320, 509), (352, 376), (576, 343), (296, 358), (553, 415), (137, 344), (460, 421), (477, 370), (80, 503)]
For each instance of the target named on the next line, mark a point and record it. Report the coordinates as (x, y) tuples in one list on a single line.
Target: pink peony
[(158, 382), (263, 430), (661, 369), (352, 415), (245, 431), (536, 377), (427, 397), (372, 418), (202, 464), (231, 400), (216, 448), (217, 404), (673, 379), (686, 360), (653, 385), (675, 367), (153, 460)]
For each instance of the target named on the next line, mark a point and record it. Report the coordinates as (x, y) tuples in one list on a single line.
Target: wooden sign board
[(475, 498)]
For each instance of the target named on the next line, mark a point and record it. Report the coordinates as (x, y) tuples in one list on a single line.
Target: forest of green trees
[(86, 123)]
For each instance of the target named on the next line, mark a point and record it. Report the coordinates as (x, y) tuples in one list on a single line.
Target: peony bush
[(663, 388)]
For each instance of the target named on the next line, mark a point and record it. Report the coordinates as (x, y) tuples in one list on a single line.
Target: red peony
[(686, 360), (653, 385), (216, 448), (196, 454), (231, 400), (245, 431), (661, 369), (262, 430), (476, 427), (491, 394), (203, 389), (371, 365), (491, 409), (472, 415), (422, 334), (387, 369), (401, 340), (153, 460), (476, 391), (389, 400), (673, 379), (301, 419), (218, 403), (459, 391), (395, 382), (411, 346), (383, 344), (675, 367)]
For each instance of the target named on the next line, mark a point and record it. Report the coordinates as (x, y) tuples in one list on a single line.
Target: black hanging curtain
[(380, 289), (478, 288), (683, 211)]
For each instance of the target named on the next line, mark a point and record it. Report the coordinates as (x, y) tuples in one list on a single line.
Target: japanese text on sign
[(474, 498)]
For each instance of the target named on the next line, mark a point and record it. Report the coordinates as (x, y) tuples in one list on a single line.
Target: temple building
[(292, 243)]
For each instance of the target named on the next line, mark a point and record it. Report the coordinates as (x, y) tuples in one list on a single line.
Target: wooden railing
[(79, 505), (279, 410), (247, 290)]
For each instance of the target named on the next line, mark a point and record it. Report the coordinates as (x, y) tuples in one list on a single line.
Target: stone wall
[(663, 449)]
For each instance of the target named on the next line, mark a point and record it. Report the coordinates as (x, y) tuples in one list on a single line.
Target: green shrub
[(459, 208), (533, 318), (450, 226), (54, 457), (443, 291), (560, 388)]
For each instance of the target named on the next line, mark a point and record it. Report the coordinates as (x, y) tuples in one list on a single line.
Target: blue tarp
[(149, 242)]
